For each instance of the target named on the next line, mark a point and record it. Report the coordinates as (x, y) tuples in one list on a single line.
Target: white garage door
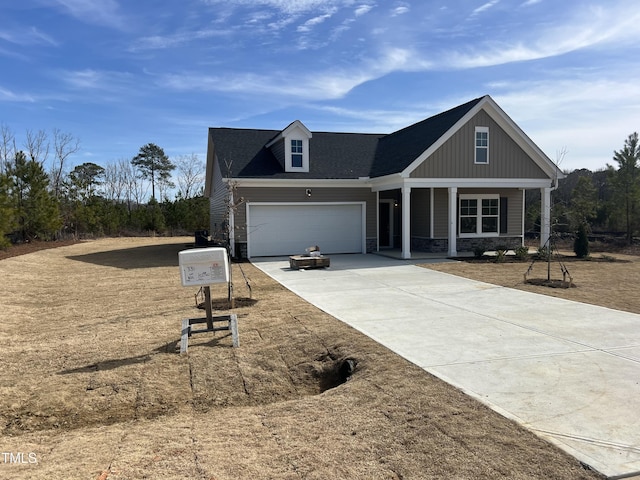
[(288, 229)]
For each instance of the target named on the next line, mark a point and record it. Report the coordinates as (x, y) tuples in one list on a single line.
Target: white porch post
[(545, 216), (406, 222), (431, 212), (377, 221), (453, 194), (524, 195)]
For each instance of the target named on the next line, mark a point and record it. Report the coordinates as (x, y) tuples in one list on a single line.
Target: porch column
[(545, 216), (431, 212), (377, 222), (406, 222), (453, 198)]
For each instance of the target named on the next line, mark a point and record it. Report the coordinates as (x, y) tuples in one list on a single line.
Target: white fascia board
[(523, 183), (299, 182), (389, 182), (396, 182)]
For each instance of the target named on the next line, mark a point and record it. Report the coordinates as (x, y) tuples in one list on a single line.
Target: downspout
[(232, 225)]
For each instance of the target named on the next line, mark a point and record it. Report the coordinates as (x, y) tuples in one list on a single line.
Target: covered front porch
[(418, 220)]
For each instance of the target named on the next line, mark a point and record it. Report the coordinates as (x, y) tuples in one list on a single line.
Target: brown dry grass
[(93, 387), (606, 279)]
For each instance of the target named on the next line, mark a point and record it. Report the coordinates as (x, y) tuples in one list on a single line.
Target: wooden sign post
[(204, 267)]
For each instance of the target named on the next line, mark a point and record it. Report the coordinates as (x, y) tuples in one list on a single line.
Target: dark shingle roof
[(398, 150), (334, 155)]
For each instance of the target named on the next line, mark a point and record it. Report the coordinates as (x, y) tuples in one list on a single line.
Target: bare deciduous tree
[(7, 147), (37, 146), (191, 175), (114, 183), (65, 144), (135, 186)]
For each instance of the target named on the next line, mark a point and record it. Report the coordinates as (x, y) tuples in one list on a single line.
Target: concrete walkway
[(568, 371)]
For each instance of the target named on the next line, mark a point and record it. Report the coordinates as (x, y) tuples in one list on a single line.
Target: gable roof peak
[(296, 124)]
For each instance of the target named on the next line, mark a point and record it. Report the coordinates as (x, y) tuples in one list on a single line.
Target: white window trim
[(479, 197), (289, 153), (475, 146)]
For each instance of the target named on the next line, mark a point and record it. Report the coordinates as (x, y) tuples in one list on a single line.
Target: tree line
[(42, 197), (605, 201)]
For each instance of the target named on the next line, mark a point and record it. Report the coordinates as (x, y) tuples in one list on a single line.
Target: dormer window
[(482, 145), (296, 154), (291, 147)]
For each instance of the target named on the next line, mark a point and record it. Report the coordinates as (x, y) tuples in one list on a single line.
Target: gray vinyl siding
[(217, 201), (420, 212), (298, 195), (440, 213), (514, 216), (455, 158)]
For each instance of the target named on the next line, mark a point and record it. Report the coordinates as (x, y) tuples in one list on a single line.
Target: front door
[(385, 225)]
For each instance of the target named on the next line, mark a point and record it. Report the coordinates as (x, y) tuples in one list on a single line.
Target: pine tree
[(581, 243), (6, 210), (154, 165), (36, 209), (583, 202), (625, 182)]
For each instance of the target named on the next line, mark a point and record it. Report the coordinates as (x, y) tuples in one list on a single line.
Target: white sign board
[(203, 266)]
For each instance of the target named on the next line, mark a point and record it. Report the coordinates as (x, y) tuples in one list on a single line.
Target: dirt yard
[(606, 279), (93, 386)]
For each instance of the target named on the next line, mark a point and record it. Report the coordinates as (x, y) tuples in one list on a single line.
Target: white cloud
[(27, 37), (101, 12), (399, 11), (589, 115), (9, 96), (363, 10), (589, 29), (312, 22), (590, 118), (90, 79), (316, 85), (157, 42), (485, 7), (286, 6)]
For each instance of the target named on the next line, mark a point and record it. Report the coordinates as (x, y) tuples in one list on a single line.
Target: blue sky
[(119, 74)]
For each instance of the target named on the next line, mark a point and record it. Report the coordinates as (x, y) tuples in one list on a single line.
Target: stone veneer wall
[(372, 244), (441, 245)]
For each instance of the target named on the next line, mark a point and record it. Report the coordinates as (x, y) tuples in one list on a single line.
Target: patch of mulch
[(543, 282), (33, 246), (596, 258)]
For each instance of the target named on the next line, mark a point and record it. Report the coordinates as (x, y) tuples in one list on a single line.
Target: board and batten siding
[(298, 195), (514, 198), (420, 212), (440, 213), (455, 158)]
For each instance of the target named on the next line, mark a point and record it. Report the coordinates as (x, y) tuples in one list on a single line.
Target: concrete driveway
[(568, 371)]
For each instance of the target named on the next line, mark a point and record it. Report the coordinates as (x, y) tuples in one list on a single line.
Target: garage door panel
[(289, 229)]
